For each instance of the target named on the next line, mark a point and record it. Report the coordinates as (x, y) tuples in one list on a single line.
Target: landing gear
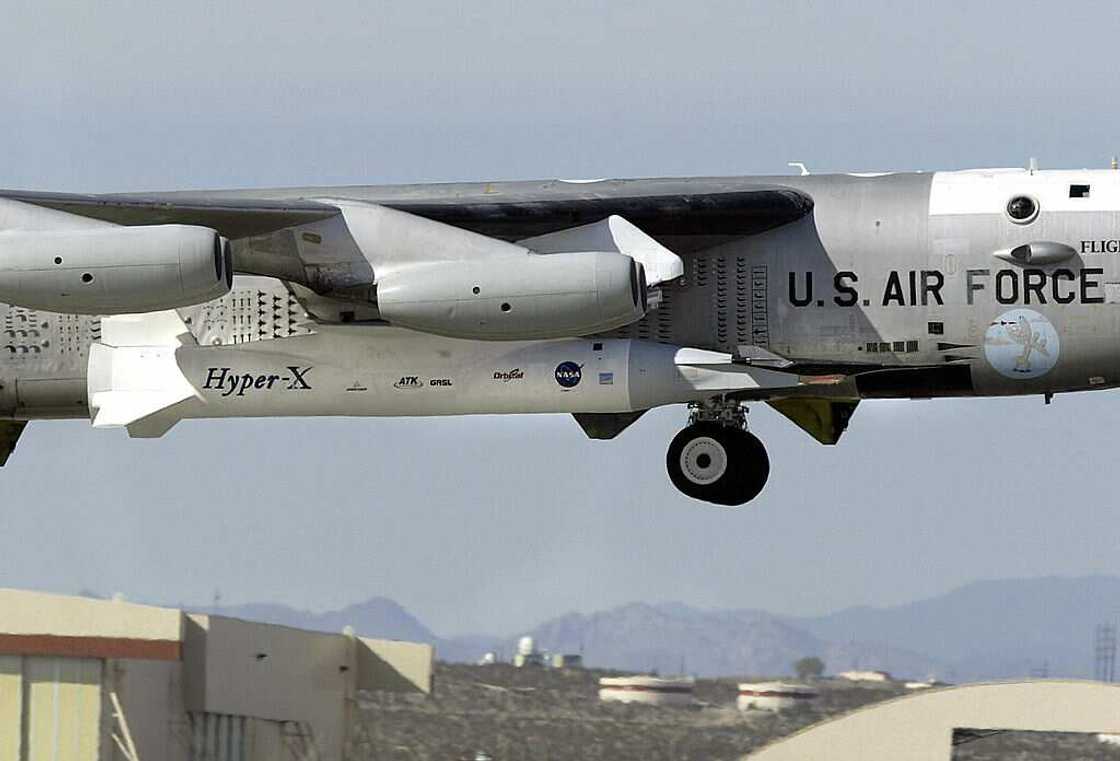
[(716, 459)]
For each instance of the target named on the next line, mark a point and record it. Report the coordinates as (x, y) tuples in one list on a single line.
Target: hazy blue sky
[(494, 523)]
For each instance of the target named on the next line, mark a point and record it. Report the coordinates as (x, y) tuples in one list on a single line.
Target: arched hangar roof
[(920, 727)]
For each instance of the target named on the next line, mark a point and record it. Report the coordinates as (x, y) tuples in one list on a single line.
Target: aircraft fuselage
[(980, 283)]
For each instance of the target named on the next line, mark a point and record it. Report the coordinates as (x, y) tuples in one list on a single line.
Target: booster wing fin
[(606, 425), (10, 431), (823, 419), (720, 374)]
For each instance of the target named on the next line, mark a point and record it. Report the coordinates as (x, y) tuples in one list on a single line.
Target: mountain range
[(983, 630)]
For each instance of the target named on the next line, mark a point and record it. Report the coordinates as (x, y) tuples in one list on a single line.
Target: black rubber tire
[(734, 472)]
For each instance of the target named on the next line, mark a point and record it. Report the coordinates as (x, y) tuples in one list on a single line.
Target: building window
[(911, 346), (936, 328)]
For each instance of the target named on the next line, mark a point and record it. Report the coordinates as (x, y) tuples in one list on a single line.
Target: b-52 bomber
[(602, 299)]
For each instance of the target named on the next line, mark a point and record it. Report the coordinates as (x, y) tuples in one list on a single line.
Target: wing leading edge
[(658, 208)]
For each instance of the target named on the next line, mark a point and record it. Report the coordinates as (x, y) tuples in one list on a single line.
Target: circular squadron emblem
[(1021, 344)]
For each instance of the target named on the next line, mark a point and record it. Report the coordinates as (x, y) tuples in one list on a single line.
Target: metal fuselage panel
[(899, 271), (352, 370), (43, 362), (887, 272)]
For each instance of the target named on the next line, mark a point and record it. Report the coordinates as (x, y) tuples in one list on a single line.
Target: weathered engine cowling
[(113, 270), (517, 297)]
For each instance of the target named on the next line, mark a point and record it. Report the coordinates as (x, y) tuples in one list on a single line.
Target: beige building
[(96, 680), (567, 661), (926, 725)]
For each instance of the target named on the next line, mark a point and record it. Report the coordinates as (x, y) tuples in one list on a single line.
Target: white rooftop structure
[(649, 690), (864, 676), (774, 696), (920, 685), (526, 646), (527, 653)]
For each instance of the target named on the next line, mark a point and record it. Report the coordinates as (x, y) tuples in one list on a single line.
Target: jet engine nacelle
[(113, 270), (531, 296)]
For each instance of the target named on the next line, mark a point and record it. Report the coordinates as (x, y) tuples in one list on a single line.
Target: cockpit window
[(1022, 209), (1078, 191)]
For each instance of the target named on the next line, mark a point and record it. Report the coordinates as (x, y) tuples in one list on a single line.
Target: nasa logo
[(408, 383), (1021, 344), (568, 374)]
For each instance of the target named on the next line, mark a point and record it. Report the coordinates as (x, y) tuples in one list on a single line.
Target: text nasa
[(231, 383), (924, 287)]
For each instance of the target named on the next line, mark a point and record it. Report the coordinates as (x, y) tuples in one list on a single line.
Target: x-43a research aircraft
[(602, 299)]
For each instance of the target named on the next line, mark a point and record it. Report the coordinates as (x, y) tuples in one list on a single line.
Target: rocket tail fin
[(134, 378)]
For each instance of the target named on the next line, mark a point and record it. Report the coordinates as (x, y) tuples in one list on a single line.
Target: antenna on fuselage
[(1033, 167), (1115, 164)]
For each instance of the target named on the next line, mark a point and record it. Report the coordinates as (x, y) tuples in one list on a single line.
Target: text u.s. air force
[(924, 288)]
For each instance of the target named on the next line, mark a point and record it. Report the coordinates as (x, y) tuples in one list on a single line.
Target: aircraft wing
[(239, 218), (505, 210), (303, 235)]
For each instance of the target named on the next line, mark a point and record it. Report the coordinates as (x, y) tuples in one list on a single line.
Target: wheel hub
[(703, 460)]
